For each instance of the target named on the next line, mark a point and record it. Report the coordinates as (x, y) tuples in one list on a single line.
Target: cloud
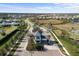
[(71, 6), (74, 7), (44, 8), (57, 8), (12, 8)]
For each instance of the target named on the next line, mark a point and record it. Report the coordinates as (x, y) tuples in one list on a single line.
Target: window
[(37, 37)]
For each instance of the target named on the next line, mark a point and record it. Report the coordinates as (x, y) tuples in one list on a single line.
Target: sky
[(39, 7)]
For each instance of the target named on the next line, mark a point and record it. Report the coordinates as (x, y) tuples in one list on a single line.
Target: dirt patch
[(67, 27), (50, 21)]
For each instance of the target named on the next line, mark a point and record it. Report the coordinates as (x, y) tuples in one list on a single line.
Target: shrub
[(31, 45), (7, 47), (39, 47), (3, 52), (34, 47)]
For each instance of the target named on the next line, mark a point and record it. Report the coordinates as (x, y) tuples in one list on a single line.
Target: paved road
[(51, 50)]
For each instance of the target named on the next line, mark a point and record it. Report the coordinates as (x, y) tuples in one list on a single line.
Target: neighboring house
[(75, 20), (15, 22), (9, 22), (6, 22)]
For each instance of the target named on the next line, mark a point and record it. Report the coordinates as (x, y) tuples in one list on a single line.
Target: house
[(75, 20), (9, 22), (38, 36), (15, 22)]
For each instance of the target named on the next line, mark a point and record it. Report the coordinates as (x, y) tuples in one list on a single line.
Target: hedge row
[(20, 36), (6, 38), (8, 41), (8, 44)]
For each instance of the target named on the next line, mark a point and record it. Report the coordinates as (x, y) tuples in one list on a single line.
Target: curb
[(61, 44)]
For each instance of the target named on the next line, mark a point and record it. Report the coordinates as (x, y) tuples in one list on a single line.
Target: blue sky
[(39, 7)]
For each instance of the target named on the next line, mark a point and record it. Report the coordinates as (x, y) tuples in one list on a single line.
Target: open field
[(75, 36), (59, 24), (50, 21), (58, 32), (67, 26)]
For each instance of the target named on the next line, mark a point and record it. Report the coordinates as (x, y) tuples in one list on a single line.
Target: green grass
[(7, 30), (72, 48), (75, 36)]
